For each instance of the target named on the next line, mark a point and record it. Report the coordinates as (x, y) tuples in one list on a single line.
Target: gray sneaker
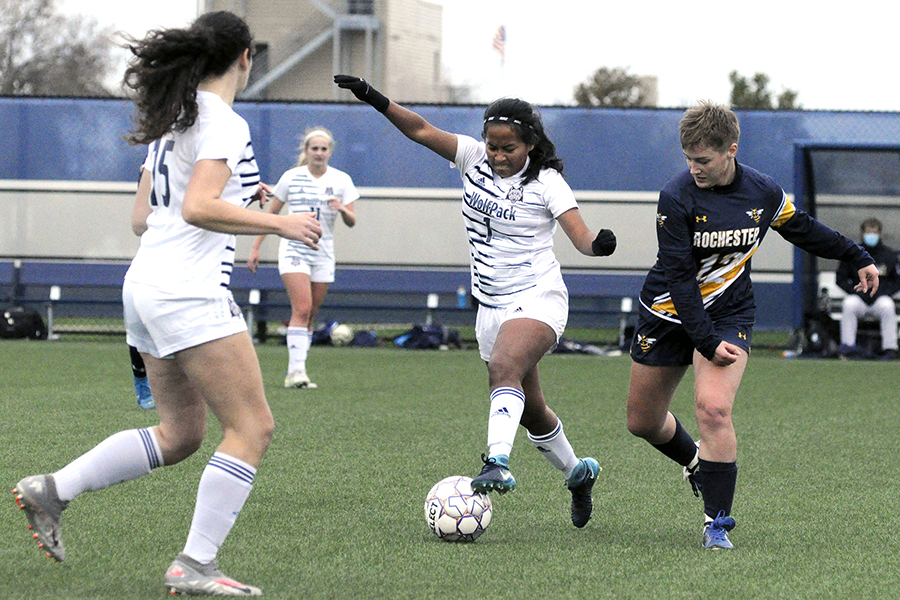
[(188, 577), (36, 495)]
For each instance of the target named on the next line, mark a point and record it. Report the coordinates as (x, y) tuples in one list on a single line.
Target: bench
[(92, 289), (8, 283), (831, 297)]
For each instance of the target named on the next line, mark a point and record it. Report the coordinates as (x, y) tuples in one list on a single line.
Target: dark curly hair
[(525, 120), (168, 65)]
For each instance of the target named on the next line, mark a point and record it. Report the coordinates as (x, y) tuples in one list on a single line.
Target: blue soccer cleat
[(144, 397), (580, 484), (494, 476), (715, 533)]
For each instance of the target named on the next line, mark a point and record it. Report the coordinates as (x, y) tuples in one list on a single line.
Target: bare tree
[(43, 53), (755, 93), (612, 87)]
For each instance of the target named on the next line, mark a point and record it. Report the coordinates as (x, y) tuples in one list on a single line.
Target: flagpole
[(499, 46)]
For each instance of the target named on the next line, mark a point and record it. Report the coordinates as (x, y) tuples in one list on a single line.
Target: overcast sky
[(838, 56)]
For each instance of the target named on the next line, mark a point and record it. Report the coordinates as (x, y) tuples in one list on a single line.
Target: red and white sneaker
[(36, 495), (188, 577)]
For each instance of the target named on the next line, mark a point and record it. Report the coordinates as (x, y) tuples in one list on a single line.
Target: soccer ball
[(454, 512), (341, 335)]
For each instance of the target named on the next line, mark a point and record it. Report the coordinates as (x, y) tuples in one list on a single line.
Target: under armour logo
[(701, 219)]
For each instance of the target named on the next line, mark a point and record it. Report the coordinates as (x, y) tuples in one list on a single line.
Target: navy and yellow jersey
[(707, 238)]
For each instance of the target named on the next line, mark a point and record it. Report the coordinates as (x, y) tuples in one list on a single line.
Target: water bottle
[(461, 297)]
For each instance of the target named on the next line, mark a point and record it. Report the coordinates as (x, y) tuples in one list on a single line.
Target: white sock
[(298, 339), (507, 406), (224, 487), (121, 457), (557, 449)]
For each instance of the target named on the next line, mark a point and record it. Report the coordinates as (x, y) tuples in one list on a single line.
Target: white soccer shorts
[(547, 306), (161, 323)]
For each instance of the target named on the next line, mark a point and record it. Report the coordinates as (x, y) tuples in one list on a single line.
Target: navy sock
[(718, 481), (680, 448), (137, 363)]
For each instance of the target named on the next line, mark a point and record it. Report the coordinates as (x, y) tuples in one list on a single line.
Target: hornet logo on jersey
[(514, 194), (755, 214), (661, 219), (645, 342)]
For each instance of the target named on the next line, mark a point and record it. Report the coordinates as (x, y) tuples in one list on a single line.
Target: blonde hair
[(709, 124), (310, 134)]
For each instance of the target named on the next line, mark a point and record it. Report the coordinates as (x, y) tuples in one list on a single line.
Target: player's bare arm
[(141, 209), (411, 124), (603, 244), (416, 128), (203, 207)]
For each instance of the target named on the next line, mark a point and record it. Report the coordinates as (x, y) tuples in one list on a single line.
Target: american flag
[(499, 43)]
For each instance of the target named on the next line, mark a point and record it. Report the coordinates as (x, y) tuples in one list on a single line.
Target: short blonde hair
[(709, 124)]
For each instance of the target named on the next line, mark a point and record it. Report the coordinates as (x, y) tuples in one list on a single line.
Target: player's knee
[(181, 442), (503, 371), (258, 433), (712, 414), (640, 426), (266, 432)]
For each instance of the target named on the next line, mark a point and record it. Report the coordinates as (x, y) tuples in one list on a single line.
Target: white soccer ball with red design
[(454, 512)]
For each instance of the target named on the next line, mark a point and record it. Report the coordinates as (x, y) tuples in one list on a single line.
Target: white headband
[(317, 133), (510, 120)]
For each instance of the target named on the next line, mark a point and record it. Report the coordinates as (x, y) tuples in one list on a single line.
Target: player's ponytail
[(168, 65), (526, 121)]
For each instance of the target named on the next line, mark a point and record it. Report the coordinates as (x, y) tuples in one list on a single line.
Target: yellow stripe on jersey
[(712, 284), (785, 212)]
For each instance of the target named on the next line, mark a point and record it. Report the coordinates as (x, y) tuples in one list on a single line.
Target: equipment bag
[(19, 322)]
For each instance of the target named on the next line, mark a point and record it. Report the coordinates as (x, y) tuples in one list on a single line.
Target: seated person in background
[(881, 306)]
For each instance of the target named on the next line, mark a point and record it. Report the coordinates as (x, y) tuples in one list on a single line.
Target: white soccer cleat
[(299, 379)]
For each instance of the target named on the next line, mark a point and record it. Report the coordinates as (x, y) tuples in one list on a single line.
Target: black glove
[(604, 244), (362, 90)]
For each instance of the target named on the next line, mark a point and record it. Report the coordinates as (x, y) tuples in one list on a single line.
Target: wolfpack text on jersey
[(510, 226)]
